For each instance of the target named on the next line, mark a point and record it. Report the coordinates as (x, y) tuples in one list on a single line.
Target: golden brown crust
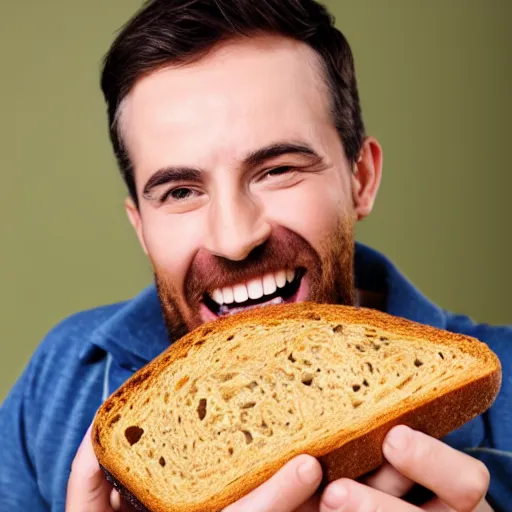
[(359, 452)]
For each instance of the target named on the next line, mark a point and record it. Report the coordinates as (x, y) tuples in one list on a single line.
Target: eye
[(179, 194), (278, 171)]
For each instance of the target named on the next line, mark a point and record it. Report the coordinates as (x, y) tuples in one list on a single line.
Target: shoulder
[(497, 337), (72, 334)]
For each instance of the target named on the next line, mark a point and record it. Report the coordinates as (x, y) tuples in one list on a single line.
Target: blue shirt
[(89, 355)]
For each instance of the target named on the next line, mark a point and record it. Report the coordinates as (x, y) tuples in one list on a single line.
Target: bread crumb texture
[(239, 394)]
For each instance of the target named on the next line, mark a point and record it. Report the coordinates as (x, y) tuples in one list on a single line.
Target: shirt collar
[(136, 333)]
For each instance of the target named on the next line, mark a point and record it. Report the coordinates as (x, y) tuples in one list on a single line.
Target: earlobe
[(134, 217), (366, 177)]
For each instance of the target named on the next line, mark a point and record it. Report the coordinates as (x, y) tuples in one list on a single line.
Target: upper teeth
[(254, 289)]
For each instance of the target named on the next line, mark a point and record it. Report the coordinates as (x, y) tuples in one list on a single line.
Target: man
[(238, 131)]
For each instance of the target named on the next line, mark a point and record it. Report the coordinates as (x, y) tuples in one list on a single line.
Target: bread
[(226, 406)]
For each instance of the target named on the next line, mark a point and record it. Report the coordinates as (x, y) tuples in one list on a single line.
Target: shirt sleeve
[(19, 488)]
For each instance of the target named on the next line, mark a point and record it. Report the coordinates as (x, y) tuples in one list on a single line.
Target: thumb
[(88, 489)]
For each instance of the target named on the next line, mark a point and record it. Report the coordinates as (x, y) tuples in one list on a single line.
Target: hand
[(88, 489), (458, 481)]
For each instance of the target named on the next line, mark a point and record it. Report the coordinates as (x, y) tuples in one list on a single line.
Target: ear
[(135, 220), (366, 177)]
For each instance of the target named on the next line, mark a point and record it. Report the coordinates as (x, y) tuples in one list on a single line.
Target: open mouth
[(273, 288)]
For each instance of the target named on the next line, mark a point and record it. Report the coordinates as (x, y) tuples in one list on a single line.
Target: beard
[(329, 272)]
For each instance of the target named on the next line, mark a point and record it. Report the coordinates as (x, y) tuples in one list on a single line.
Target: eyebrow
[(253, 159), (170, 175)]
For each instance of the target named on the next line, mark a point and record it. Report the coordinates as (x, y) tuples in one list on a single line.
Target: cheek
[(312, 210), (172, 242)]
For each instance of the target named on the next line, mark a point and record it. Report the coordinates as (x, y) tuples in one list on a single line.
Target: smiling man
[(239, 134)]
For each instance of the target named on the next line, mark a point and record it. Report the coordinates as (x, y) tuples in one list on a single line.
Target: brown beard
[(330, 274)]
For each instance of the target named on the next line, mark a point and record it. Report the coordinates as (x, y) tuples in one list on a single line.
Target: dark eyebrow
[(260, 156), (171, 174)]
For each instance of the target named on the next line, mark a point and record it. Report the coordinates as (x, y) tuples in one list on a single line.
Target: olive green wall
[(434, 79)]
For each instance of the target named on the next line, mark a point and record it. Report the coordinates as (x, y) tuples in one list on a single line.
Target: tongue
[(225, 310)]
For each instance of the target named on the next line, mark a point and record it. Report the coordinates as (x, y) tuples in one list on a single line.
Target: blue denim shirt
[(88, 356)]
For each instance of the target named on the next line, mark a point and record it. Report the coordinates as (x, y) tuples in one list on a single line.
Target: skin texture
[(240, 98)]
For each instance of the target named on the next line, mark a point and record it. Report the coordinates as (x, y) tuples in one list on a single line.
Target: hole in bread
[(291, 358), (307, 379), (360, 348), (133, 434), (161, 461), (229, 338), (376, 346), (227, 376), (383, 338), (179, 419), (115, 419), (356, 387), (370, 366), (201, 409), (356, 403), (248, 405), (365, 382), (179, 385), (441, 355), (405, 382), (248, 436), (418, 363), (337, 329), (199, 343), (231, 451), (252, 385)]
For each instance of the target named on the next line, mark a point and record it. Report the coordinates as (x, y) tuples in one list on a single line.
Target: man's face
[(246, 196)]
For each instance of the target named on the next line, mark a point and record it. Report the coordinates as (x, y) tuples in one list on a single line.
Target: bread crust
[(360, 451)]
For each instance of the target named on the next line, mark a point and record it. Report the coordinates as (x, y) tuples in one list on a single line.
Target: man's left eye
[(278, 171)]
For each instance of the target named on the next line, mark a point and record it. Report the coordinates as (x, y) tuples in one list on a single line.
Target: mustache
[(283, 249)]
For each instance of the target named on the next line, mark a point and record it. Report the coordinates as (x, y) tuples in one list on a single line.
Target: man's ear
[(135, 220), (366, 177)]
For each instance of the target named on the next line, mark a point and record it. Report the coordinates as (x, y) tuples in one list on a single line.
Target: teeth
[(240, 292), (218, 297), (269, 284), (281, 278), (228, 295), (255, 289)]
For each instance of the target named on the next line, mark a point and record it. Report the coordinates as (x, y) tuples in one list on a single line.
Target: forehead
[(243, 95)]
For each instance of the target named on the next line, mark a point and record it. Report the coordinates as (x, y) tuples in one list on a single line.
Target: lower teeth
[(224, 310)]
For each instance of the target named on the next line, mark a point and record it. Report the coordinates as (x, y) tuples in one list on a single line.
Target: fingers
[(349, 496), (87, 487), (456, 478), (387, 479), (287, 490)]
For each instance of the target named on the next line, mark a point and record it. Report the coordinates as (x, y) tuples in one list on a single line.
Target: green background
[(435, 80)]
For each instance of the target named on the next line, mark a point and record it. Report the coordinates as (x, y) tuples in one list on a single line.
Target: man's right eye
[(179, 194)]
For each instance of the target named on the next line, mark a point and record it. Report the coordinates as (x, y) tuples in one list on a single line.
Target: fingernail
[(308, 472), (398, 437), (335, 497)]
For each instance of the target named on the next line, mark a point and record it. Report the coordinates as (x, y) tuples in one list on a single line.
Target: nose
[(236, 225)]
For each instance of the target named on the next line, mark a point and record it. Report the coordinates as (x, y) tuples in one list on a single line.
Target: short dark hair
[(167, 32)]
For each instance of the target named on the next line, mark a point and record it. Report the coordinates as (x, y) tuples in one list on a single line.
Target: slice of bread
[(230, 403)]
